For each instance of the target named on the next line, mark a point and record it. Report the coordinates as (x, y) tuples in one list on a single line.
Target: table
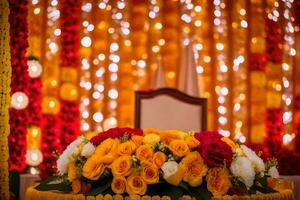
[(33, 194)]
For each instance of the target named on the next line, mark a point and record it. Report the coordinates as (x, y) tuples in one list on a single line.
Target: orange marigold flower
[(218, 182)]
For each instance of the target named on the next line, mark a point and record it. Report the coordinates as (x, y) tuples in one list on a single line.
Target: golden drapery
[(5, 73)]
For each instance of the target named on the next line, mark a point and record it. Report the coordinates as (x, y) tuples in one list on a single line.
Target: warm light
[(287, 138), (34, 157), (113, 67), (155, 48), (220, 46), (161, 42), (86, 41), (242, 12), (85, 114), (198, 8), (223, 68), (141, 63), (199, 69), (98, 117), (114, 47), (37, 11), (158, 26), (85, 126), (110, 122), (222, 120), (206, 59), (101, 57), (34, 68), (198, 23), (242, 139), (199, 46), (19, 100), (225, 133), (57, 32), (127, 43), (96, 95), (113, 94)]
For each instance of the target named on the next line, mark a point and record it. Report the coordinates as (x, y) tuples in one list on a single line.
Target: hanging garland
[(274, 41), (70, 28), (5, 73), (19, 84), (50, 144)]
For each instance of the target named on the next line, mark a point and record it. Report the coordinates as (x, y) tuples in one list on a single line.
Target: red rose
[(114, 133), (214, 151)]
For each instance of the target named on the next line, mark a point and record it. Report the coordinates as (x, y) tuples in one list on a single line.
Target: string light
[(221, 87), (287, 68)]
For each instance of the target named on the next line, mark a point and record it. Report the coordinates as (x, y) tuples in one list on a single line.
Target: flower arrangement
[(140, 162)]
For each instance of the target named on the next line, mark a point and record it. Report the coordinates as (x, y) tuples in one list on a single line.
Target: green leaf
[(100, 186), (54, 183), (201, 192), (185, 187), (173, 192)]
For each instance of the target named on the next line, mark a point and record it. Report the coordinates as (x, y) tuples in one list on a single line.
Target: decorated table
[(125, 163)]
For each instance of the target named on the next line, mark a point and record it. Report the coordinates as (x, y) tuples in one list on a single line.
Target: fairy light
[(239, 69), (85, 79), (287, 69), (221, 88)]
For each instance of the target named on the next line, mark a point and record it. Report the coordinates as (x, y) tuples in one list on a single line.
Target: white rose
[(257, 162), (273, 172), (88, 150), (64, 158), (242, 168), (169, 168)]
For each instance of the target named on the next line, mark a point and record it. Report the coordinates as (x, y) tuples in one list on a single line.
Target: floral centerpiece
[(125, 161)]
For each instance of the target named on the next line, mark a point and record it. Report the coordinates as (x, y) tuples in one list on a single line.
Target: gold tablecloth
[(33, 194)]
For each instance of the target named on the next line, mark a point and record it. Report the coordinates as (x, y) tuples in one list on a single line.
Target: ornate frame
[(139, 95)]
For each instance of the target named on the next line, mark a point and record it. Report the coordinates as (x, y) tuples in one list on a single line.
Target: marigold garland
[(19, 82), (274, 127), (274, 41), (70, 28), (34, 107), (5, 74), (257, 62), (50, 143)]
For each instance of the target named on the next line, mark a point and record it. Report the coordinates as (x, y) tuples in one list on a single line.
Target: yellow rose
[(106, 152), (192, 142), (118, 184), (151, 139), (122, 166), (179, 148), (159, 158), (93, 169), (218, 182), (229, 142), (170, 135), (76, 186), (136, 185), (72, 172), (150, 173), (194, 169), (144, 152), (137, 139), (126, 148), (166, 136)]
